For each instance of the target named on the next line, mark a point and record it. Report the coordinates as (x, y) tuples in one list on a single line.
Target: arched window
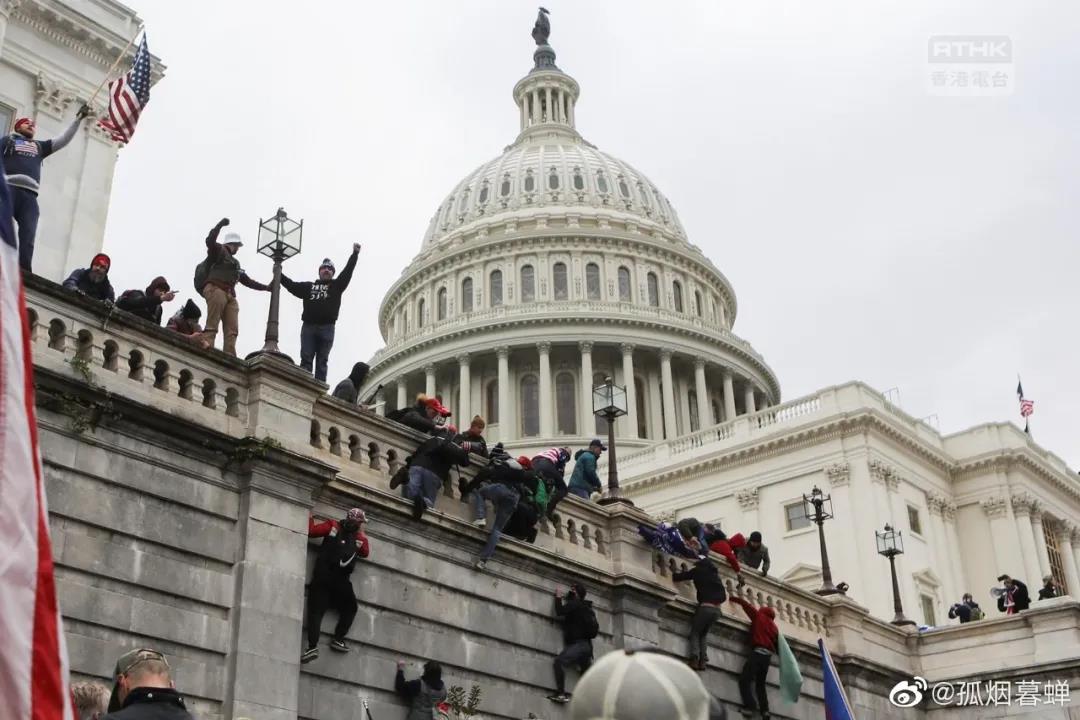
[(420, 313), (644, 195), (504, 189), (624, 189), (601, 182), (625, 293), (600, 424), (491, 402), (558, 281), (692, 404), (676, 291), (579, 179), (639, 403), (466, 295), (654, 289), (530, 181), (528, 283), (565, 404), (592, 281), (553, 179), (484, 193), (405, 322), (464, 205), (697, 304), (440, 304), (496, 288), (530, 406)]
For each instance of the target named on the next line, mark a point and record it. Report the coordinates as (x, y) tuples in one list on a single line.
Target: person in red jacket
[(763, 634), (726, 546), (343, 542)]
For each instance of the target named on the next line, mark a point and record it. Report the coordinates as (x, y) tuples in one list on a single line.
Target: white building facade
[(53, 55), (556, 265)]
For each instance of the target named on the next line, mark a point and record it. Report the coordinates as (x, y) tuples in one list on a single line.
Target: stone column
[(942, 547), (536, 108), (506, 424), (1023, 506), (1003, 534), (380, 402), (1041, 553), (670, 430), (1066, 531), (748, 398), (547, 426), (548, 108), (1072, 550), (948, 514), (6, 6), (652, 386), (631, 389), (702, 391), (729, 397), (464, 411), (429, 381), (402, 393), (587, 423)]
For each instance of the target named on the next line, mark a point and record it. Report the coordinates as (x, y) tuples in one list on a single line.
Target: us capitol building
[(555, 265)]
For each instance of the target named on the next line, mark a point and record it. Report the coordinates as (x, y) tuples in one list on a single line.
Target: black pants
[(705, 617), (576, 654), (337, 594), (755, 670), (24, 208)]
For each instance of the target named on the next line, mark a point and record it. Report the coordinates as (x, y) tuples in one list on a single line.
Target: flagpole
[(109, 72)]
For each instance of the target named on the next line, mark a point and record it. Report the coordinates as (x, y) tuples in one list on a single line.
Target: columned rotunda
[(550, 268)]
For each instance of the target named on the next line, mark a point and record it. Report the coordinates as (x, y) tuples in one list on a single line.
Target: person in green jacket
[(584, 481)]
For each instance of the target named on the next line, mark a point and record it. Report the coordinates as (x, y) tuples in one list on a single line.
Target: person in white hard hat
[(215, 280)]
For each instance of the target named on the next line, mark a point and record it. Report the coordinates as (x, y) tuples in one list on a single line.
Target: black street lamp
[(890, 544), (817, 507), (609, 402), (280, 238)]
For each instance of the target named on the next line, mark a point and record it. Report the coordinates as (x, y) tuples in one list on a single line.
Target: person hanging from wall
[(349, 388), (550, 466), (186, 322), (215, 279), (754, 554), (720, 543), (93, 282), (532, 504), (666, 538), (580, 627), (429, 468), (584, 481), (22, 158), (322, 305), (710, 596), (763, 645), (425, 415), (344, 542), (422, 694), (147, 303), (504, 491)]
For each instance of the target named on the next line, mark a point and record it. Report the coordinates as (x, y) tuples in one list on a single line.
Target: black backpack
[(202, 274), (590, 626)]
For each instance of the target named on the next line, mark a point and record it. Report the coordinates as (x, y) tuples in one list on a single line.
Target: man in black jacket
[(93, 281), (1049, 589), (343, 543), (1015, 598), (349, 388), (430, 468), (710, 596), (579, 626), (322, 303), (147, 304), (144, 689)]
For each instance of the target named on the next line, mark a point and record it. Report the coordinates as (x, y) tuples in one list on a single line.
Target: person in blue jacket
[(584, 481)]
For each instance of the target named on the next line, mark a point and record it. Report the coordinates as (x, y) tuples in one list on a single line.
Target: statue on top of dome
[(542, 29)]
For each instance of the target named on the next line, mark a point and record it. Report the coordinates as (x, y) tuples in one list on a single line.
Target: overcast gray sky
[(872, 231)]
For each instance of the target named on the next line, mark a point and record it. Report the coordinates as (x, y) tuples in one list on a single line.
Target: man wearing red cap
[(343, 542), (94, 280), (22, 158)]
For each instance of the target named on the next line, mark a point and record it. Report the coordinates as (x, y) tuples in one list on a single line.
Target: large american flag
[(1027, 407), (128, 96), (33, 656)]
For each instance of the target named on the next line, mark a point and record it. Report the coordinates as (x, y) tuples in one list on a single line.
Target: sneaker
[(462, 485), (480, 522), (310, 654), (418, 507), (339, 645), (561, 698), (480, 565)]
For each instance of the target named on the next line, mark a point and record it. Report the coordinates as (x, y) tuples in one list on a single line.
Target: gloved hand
[(83, 112), (223, 222)]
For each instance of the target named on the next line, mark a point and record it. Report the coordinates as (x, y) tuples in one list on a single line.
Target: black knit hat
[(190, 310)]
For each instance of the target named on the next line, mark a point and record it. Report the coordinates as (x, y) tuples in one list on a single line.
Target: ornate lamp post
[(609, 402), (280, 238), (890, 544), (817, 507)]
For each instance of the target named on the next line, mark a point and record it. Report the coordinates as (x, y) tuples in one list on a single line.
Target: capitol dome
[(548, 269)]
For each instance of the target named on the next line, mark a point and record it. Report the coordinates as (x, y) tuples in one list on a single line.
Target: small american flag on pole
[(1027, 407), (128, 96)]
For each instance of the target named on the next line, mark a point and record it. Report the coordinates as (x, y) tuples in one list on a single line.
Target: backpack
[(977, 614), (540, 497), (202, 274), (590, 626)]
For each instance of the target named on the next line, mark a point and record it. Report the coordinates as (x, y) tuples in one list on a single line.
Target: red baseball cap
[(437, 406)]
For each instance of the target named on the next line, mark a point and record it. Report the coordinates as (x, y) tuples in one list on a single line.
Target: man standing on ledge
[(22, 158), (215, 279), (322, 303)]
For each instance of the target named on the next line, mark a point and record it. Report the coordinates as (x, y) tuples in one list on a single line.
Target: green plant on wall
[(82, 366), (252, 448), (464, 707)]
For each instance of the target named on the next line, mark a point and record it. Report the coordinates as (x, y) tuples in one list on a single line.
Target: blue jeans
[(505, 499), (315, 344), (24, 207), (581, 492), (422, 483)]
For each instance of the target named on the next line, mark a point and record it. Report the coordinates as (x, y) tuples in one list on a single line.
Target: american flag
[(1027, 407), (128, 96), (33, 656)]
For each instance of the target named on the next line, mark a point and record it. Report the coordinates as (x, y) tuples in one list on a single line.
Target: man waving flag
[(33, 658), (1027, 407), (128, 96)]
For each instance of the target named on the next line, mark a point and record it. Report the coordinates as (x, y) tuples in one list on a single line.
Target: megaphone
[(996, 592)]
